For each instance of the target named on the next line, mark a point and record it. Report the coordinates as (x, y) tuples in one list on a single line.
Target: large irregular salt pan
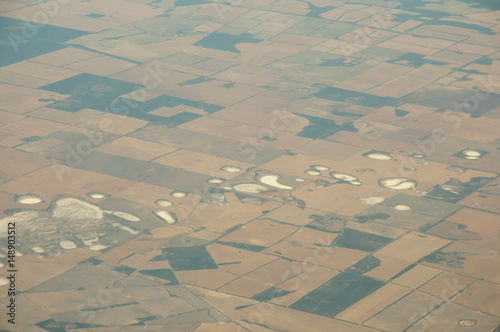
[(344, 176), (351, 179), (249, 188), (397, 183), (72, 208), (272, 180), (18, 218)]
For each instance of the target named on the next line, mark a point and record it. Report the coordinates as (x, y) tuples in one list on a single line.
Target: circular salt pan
[(126, 216), (467, 322), (379, 156), (320, 168), (90, 241), (252, 200), (401, 207), (178, 194), (356, 183), (96, 195), (163, 202), (37, 249), (127, 229), (299, 180), (167, 216), (231, 169), (215, 180), (65, 244), (97, 247), (471, 153), (447, 187), (397, 183), (372, 199), (29, 199), (312, 172), (249, 188), (343, 176)]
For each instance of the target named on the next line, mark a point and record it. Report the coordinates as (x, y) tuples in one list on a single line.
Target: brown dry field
[(135, 148), (260, 232), (372, 304), (417, 276)]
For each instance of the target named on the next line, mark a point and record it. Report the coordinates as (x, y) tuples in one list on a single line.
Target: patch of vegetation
[(189, 258), (270, 293), (366, 264), (454, 190), (354, 239), (245, 246), (337, 294), (165, 274)]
